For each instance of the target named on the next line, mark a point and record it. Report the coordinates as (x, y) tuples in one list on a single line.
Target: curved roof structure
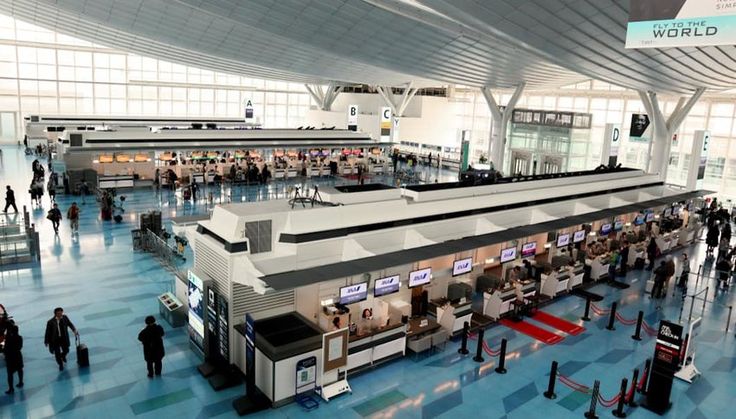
[(499, 43)]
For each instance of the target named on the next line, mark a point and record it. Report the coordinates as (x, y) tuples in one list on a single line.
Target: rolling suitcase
[(82, 354), (649, 286)]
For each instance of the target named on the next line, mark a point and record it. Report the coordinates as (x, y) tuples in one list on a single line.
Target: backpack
[(73, 212)]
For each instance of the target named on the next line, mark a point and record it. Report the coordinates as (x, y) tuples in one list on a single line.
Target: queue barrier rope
[(624, 320), (580, 388), (627, 322), (608, 403), (490, 351)]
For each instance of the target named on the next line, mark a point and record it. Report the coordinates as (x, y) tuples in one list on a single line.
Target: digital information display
[(529, 249), (563, 240), (618, 225), (420, 277), (650, 217), (578, 236), (507, 255), (354, 293), (386, 286), (606, 228), (462, 266)]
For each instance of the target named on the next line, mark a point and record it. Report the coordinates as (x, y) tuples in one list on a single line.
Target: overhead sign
[(386, 118), (462, 266), (703, 155), (611, 143), (639, 131), (248, 110), (353, 293), (681, 23), (507, 255), (353, 117), (388, 285), (420, 277)]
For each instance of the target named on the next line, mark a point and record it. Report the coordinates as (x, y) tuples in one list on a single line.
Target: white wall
[(427, 119)]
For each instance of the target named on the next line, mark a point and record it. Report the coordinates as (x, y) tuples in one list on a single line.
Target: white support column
[(398, 106), (664, 128), (500, 121), (324, 98)]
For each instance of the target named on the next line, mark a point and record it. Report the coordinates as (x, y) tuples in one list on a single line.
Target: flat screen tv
[(353, 293), (386, 286), (639, 220), (462, 266), (650, 217), (508, 254), (578, 236), (618, 225), (667, 212), (529, 249), (420, 277), (605, 229), (563, 240)]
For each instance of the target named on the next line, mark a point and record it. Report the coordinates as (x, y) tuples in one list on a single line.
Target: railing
[(170, 256), (19, 242)]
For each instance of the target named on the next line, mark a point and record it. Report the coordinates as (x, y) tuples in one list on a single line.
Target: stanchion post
[(612, 318), (692, 305), (590, 414), (728, 321), (639, 320), (619, 412), (697, 277), (550, 393), (501, 369), (645, 375), (634, 381), (705, 300), (464, 346), (586, 316), (479, 350)]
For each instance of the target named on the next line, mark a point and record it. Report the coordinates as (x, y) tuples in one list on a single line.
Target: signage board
[(529, 249), (420, 277), (250, 354), (387, 285), (563, 240), (578, 236), (353, 117), (605, 229), (618, 225), (650, 217), (703, 155), (354, 293), (681, 23), (462, 266), (508, 254), (639, 132), (385, 124), (195, 298), (248, 110)]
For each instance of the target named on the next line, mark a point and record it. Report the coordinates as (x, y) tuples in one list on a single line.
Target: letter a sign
[(248, 110)]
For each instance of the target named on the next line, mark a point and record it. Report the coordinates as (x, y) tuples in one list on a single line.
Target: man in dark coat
[(153, 345), (57, 336), (13, 357)]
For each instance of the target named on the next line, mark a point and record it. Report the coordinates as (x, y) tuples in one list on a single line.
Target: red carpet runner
[(529, 329), (558, 323)]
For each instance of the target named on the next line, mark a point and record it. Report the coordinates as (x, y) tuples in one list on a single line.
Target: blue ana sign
[(420, 277), (462, 266), (385, 286), (354, 293)]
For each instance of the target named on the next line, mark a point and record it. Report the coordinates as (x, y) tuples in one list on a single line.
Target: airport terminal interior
[(367, 208)]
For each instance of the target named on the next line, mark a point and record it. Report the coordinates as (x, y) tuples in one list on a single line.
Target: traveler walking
[(9, 199), (153, 345), (57, 336), (651, 252), (660, 275), (54, 215), (72, 214), (13, 357), (684, 275)]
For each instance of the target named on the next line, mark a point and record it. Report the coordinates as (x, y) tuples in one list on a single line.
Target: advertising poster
[(681, 23), (640, 130), (195, 298)]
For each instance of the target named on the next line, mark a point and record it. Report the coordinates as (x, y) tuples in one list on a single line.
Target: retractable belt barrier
[(614, 315)]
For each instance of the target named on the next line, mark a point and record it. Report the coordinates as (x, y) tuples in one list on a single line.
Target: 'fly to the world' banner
[(681, 23)]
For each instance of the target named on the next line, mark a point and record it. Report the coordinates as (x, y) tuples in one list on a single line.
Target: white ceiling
[(547, 43)]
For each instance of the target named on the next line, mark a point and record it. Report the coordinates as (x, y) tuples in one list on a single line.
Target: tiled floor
[(107, 289)]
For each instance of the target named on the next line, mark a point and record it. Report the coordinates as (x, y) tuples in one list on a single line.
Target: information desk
[(281, 342), (498, 302), (115, 182), (376, 346), (451, 316)]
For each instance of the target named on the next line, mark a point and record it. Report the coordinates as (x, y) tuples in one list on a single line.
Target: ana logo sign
[(387, 285), (508, 254), (353, 293), (462, 266), (420, 277)]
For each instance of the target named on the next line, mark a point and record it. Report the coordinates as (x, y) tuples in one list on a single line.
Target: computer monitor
[(605, 229), (529, 249), (420, 277), (667, 212), (508, 254), (353, 293), (578, 236), (386, 286), (618, 225), (650, 217), (462, 266), (639, 220), (563, 240)]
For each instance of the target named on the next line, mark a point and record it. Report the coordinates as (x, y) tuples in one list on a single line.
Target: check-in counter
[(452, 316), (378, 345), (315, 171), (292, 173), (555, 283), (576, 277), (687, 236), (346, 169), (636, 251), (664, 242), (599, 266), (525, 290), (498, 303), (376, 169), (279, 174), (115, 182)]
